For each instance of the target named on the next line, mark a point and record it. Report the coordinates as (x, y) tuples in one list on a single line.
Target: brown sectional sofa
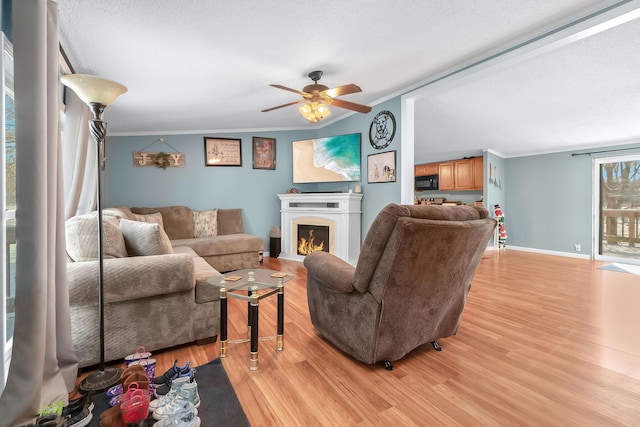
[(230, 249), (157, 299)]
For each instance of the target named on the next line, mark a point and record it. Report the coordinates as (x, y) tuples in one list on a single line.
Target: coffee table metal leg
[(223, 322), (280, 336), (249, 315), (254, 331)]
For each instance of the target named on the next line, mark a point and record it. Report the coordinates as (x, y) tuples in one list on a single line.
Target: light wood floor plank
[(544, 340)]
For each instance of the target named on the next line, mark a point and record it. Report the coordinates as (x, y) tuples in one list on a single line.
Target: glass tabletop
[(262, 279)]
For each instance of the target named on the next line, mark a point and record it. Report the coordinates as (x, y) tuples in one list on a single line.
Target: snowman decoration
[(502, 232)]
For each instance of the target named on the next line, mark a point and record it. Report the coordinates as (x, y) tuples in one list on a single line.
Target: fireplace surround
[(337, 213)]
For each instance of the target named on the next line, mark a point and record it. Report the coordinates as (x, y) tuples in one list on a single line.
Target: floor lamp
[(98, 94)]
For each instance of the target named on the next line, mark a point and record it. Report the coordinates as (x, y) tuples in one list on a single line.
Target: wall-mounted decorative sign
[(159, 159), (382, 130), (222, 152)]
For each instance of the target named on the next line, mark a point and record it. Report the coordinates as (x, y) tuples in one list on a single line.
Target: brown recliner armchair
[(410, 284)]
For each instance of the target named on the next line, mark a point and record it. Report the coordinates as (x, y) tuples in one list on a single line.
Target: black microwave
[(427, 182)]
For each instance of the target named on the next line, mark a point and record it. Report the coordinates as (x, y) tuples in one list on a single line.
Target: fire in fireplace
[(312, 238)]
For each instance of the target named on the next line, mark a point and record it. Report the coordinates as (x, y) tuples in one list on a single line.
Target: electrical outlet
[(578, 248)]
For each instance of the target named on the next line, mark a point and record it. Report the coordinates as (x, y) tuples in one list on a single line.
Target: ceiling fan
[(316, 97)]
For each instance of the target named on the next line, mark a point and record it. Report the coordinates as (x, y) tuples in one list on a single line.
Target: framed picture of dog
[(381, 167)]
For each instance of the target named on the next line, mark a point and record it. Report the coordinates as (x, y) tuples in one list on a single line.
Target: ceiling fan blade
[(351, 106), (299, 92), (284, 105), (342, 90)]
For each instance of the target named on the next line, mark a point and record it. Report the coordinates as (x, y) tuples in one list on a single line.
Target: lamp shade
[(314, 111), (92, 89)]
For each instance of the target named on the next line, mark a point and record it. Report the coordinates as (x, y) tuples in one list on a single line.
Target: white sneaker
[(187, 393), (186, 416), (176, 385)]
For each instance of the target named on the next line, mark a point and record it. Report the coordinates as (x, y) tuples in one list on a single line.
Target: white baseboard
[(547, 252)]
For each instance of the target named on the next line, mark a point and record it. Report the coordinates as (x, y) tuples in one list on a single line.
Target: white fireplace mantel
[(340, 211)]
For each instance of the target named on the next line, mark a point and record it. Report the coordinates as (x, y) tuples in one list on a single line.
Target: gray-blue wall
[(549, 200), (253, 190), (378, 195), (548, 203), (546, 199), (198, 186)]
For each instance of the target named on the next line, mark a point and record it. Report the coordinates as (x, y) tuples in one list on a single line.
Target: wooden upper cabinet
[(427, 169), (466, 174), (478, 173), (463, 174), (446, 179)]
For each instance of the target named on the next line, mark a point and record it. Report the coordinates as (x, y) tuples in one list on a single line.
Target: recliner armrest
[(331, 271)]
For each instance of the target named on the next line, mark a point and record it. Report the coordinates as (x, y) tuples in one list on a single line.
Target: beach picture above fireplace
[(329, 159)]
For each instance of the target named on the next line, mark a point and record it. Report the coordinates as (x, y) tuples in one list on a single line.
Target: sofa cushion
[(205, 223), (82, 237), (223, 245), (154, 218), (230, 221), (178, 220), (203, 273), (142, 238)]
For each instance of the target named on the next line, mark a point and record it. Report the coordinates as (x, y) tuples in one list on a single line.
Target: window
[(8, 211)]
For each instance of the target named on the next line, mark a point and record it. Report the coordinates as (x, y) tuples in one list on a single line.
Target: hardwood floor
[(544, 340)]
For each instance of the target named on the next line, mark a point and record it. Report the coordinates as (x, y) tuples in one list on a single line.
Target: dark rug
[(219, 404)]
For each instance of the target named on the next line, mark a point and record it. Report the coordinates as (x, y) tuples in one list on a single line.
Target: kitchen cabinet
[(427, 169), (455, 175), (478, 173), (463, 174), (446, 180)]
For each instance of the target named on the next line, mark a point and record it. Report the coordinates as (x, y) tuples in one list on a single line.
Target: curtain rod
[(603, 151)]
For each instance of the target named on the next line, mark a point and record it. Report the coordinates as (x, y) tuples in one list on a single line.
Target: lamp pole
[(97, 93), (104, 378)]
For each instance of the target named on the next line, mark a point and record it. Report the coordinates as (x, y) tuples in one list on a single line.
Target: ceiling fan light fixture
[(314, 111)]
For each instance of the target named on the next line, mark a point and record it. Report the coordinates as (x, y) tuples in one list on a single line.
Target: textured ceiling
[(204, 66), (582, 94)]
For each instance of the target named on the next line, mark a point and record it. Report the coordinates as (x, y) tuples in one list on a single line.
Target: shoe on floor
[(172, 373), (176, 385), (76, 404), (49, 420), (185, 416), (112, 417), (187, 393), (79, 419), (163, 389)]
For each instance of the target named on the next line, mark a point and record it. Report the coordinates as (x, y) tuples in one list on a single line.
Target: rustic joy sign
[(158, 159)]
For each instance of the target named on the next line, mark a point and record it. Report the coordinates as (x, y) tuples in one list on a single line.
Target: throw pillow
[(82, 238), (205, 223), (142, 238), (153, 218)]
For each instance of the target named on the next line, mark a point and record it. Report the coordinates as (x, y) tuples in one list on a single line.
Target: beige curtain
[(78, 158), (43, 363)]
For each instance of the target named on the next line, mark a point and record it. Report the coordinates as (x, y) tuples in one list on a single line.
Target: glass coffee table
[(251, 285)]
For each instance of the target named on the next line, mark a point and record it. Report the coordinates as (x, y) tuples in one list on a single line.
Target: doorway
[(617, 190)]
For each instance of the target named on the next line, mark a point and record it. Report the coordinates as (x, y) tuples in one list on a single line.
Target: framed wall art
[(381, 167), (222, 151), (264, 153)]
